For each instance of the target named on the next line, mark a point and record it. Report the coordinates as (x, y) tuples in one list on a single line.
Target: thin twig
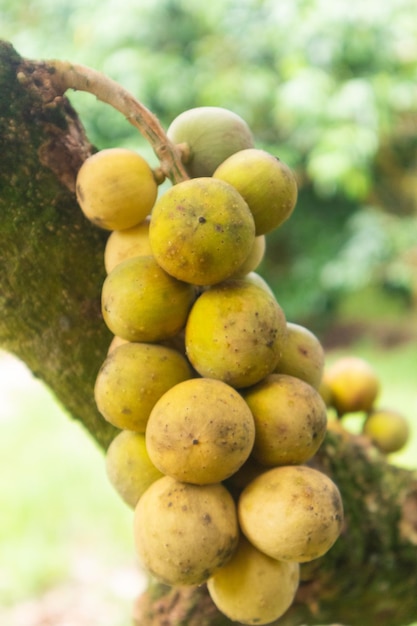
[(67, 75)]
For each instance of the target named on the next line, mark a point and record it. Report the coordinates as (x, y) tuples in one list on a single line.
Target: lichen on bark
[(51, 272)]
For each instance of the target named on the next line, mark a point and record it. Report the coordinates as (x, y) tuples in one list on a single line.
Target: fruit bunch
[(351, 386), (215, 393)]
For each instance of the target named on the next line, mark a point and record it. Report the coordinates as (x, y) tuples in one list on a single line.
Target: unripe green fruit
[(353, 384), (291, 513), (125, 244), (388, 429), (252, 588), (211, 134), (201, 231), (290, 420), (116, 188), (131, 380), (141, 302), (302, 355), (128, 466), (234, 332), (200, 431), (184, 533), (266, 183)]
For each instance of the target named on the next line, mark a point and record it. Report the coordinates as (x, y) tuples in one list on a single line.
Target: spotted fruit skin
[(200, 431), (234, 332), (201, 231), (211, 134), (183, 533), (266, 183), (302, 356), (141, 302), (291, 513), (116, 188)]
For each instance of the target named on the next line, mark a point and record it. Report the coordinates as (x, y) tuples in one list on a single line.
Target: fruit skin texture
[(131, 380), (290, 420), (291, 513), (388, 429), (353, 385), (128, 466), (201, 231), (267, 184), (124, 244), (116, 188), (183, 533), (211, 134), (302, 355), (141, 302), (252, 588), (254, 259), (234, 333), (200, 431)]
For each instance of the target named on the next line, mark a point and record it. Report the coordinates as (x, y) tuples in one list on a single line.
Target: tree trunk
[(51, 263)]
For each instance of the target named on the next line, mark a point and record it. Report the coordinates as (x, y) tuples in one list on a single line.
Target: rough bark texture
[(51, 272)]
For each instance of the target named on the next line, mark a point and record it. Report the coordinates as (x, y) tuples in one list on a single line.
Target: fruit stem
[(65, 75)]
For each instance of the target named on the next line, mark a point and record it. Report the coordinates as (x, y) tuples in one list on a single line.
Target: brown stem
[(67, 75)]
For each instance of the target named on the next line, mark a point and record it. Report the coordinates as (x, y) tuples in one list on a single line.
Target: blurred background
[(330, 88)]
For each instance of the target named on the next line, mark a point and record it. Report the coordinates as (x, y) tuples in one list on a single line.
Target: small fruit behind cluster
[(127, 243), (353, 385), (116, 188), (388, 430), (210, 135), (302, 355)]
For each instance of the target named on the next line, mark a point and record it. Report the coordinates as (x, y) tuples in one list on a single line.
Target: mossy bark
[(51, 272)]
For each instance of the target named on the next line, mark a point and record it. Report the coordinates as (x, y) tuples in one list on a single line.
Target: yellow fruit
[(116, 188), (211, 135), (128, 466), (141, 302), (353, 383), (290, 420), (235, 333), (302, 355), (200, 431), (183, 533), (201, 231), (124, 244), (254, 259), (132, 378), (291, 513), (266, 183), (256, 279), (388, 429), (252, 588)]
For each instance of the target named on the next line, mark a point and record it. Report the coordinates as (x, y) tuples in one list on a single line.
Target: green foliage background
[(329, 87)]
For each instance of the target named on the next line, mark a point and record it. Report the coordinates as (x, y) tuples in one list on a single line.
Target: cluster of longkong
[(217, 396)]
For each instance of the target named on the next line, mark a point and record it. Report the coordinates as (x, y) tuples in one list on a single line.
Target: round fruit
[(200, 431), (124, 244), (290, 420), (235, 333), (353, 384), (211, 134), (141, 302), (132, 378), (291, 513), (266, 183), (255, 257), (116, 188), (252, 588), (388, 430), (129, 468), (183, 533), (201, 231), (302, 355)]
